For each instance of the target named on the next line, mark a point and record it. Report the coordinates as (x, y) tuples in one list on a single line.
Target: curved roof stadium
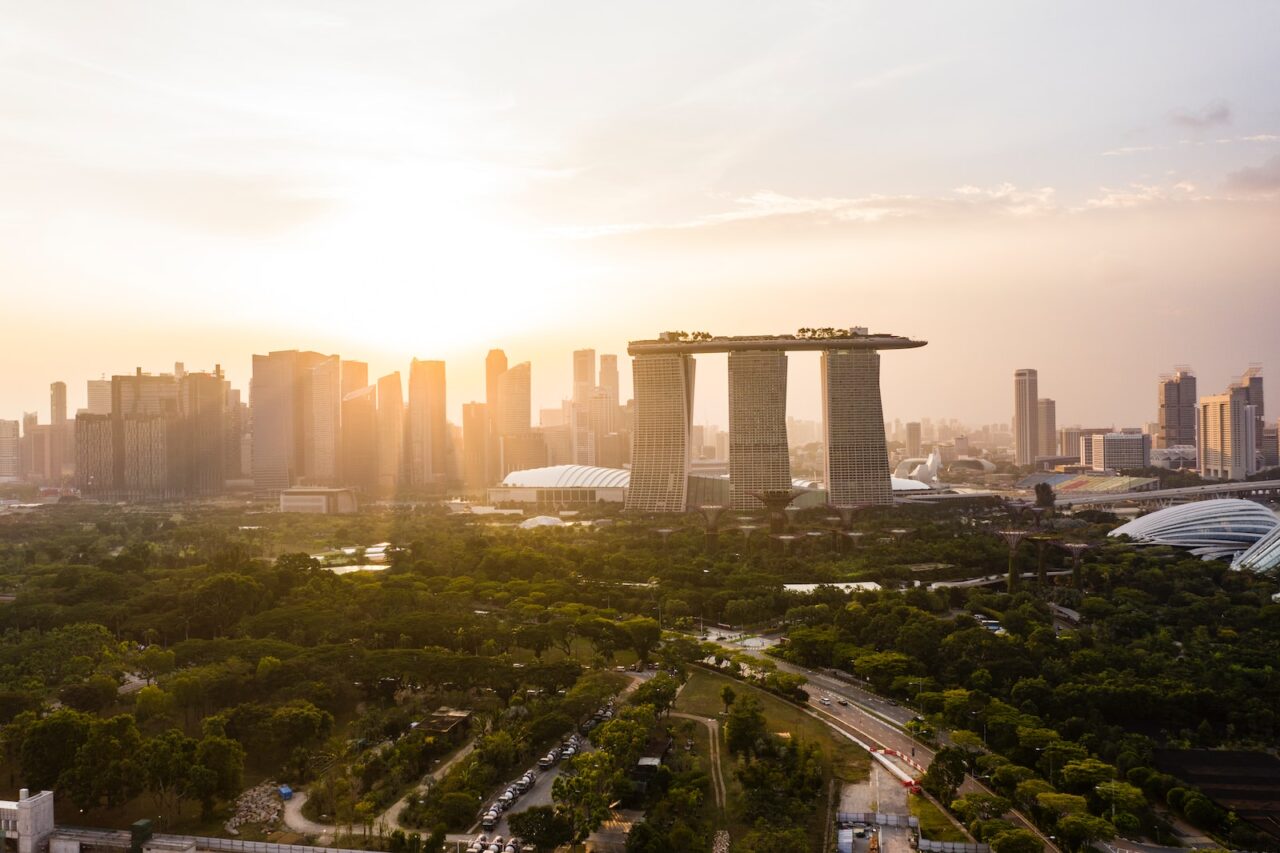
[(592, 477), (569, 477), (1263, 555), (1216, 529)]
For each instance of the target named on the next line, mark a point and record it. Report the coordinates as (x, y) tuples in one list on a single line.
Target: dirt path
[(713, 737)]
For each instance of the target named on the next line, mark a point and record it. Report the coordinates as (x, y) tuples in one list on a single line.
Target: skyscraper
[(360, 439), (511, 407), (609, 377), (1251, 381), (758, 457), (1227, 449), (1026, 427), (99, 396), (321, 422), (495, 364), (355, 376), (427, 447), (9, 437), (660, 449), (202, 401), (857, 459), (279, 396), (1176, 409), (913, 448), (1047, 424), (58, 403), (390, 433), (584, 373), (475, 444)]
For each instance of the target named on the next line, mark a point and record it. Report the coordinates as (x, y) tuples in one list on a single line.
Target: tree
[(167, 761), (582, 792), (643, 634), (1081, 830), (542, 827), (727, 696), (219, 769), (659, 691), (746, 728), (1121, 797), (1087, 774), (1044, 495), (1061, 804), (1017, 841), (47, 748), (945, 773), (973, 807), (106, 768)]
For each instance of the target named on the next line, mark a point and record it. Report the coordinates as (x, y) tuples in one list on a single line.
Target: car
[(842, 701), (825, 700)]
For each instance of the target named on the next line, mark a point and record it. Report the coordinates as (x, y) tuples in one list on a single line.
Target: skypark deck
[(785, 343)]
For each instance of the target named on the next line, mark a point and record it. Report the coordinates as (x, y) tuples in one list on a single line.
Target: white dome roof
[(541, 521), (569, 477), (1211, 529)]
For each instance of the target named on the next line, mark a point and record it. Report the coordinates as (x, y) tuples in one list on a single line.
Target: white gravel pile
[(260, 804), (721, 842)]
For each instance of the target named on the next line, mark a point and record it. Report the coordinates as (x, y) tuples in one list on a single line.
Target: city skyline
[(223, 206)]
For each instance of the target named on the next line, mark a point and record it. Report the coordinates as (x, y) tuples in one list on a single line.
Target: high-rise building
[(58, 403), (1120, 451), (758, 457), (147, 437), (390, 433), (202, 399), (914, 447), (1227, 449), (1251, 381), (95, 463), (99, 396), (427, 448), (584, 373), (360, 439), (857, 458), (1026, 426), (1176, 404), (1047, 424), (9, 438), (321, 422), (1271, 446), (475, 444), (355, 376), (495, 364), (511, 408), (660, 443), (280, 395), (609, 377)]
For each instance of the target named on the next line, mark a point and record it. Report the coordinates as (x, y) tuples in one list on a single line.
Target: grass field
[(934, 825), (842, 760)]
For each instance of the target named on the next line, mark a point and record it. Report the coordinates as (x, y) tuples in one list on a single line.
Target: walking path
[(713, 736), (325, 833)]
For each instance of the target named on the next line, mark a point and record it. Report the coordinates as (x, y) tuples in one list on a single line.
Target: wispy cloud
[(1128, 149), (1261, 179), (1210, 115)]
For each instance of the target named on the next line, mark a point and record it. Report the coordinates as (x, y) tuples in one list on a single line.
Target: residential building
[(1228, 442), (1120, 451), (1026, 428), (9, 456), (1176, 403)]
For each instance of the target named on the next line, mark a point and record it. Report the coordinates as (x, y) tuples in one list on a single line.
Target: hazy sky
[(1091, 189)]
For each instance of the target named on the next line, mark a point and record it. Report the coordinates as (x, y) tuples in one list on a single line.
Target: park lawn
[(934, 825), (842, 759)]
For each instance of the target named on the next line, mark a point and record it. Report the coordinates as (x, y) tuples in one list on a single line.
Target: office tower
[(1120, 451), (857, 459), (58, 403), (1046, 424), (274, 396), (1026, 428), (495, 364), (914, 448), (427, 446), (321, 393), (580, 431), (99, 396), (1271, 446), (390, 433), (1251, 381), (146, 435), (584, 373), (1176, 409), (235, 424), (203, 405), (511, 408), (660, 443), (758, 457), (9, 439), (475, 444), (609, 377), (360, 439), (26, 447), (95, 463), (355, 377), (1227, 449)]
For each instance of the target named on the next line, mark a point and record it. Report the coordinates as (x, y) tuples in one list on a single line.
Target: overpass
[(1256, 489)]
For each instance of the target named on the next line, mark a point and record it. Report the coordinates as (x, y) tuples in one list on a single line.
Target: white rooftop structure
[(1263, 555), (1213, 529), (569, 477)]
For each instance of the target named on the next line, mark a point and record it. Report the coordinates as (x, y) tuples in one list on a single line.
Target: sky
[(1091, 189)]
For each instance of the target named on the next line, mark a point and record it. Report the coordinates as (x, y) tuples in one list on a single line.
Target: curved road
[(713, 736)]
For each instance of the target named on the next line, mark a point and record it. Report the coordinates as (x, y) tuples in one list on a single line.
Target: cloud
[(1260, 137), (1002, 199), (1211, 115), (1257, 179), (1139, 195), (1128, 149)]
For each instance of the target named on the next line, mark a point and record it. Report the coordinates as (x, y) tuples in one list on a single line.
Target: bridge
[(1244, 489)]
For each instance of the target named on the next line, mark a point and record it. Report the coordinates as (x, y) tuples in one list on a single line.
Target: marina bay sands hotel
[(857, 464)]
